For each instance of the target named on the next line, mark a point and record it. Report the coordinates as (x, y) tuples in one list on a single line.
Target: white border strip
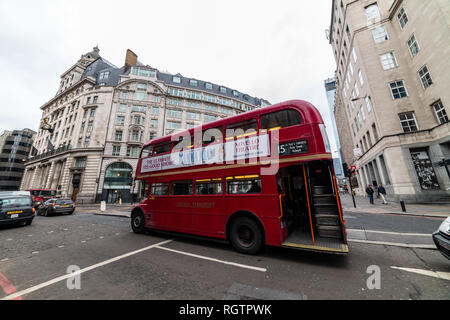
[(395, 233)]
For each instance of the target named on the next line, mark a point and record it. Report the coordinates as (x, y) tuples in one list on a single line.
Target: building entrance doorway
[(117, 183)]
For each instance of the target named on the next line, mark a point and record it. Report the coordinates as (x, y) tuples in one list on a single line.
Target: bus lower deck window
[(160, 189), (180, 188), (244, 186), (208, 188)]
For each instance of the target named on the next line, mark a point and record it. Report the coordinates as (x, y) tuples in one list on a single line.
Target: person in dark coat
[(382, 192), (370, 193)]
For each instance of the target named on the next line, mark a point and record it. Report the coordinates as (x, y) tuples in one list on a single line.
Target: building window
[(176, 92), (223, 90), (208, 86), (356, 90), (193, 115), (388, 61), (123, 107), (173, 125), (139, 109), (154, 123), (141, 96), (92, 113), (104, 75), (368, 104), (413, 46), (124, 95), (138, 120), (440, 112), (176, 79), (142, 86), (89, 127), (408, 122), (118, 136), (88, 100), (398, 90), (372, 12), (235, 93), (193, 83), (95, 99), (402, 18), (174, 114), (355, 57), (425, 77), (120, 120), (116, 151), (155, 110), (350, 68), (132, 151), (86, 142), (361, 79), (135, 135), (363, 114), (209, 118), (380, 34)]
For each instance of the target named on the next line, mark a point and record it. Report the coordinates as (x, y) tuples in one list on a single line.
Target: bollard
[(402, 203)]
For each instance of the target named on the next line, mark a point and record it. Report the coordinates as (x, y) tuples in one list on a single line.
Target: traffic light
[(347, 171)]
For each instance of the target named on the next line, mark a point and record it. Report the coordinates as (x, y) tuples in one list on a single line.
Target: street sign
[(357, 152)]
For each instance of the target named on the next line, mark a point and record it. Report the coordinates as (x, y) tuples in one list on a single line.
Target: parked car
[(56, 206), (16, 208), (39, 196), (442, 238)]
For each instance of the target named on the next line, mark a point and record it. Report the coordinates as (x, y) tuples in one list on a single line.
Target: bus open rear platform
[(303, 241)]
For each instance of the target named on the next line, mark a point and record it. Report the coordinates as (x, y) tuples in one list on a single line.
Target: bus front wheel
[(246, 236), (138, 222)]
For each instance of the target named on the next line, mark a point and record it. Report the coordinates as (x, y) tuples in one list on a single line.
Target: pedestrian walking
[(382, 192), (370, 193)]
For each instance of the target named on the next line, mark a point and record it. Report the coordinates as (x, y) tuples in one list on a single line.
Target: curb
[(119, 215), (401, 214), (394, 244)]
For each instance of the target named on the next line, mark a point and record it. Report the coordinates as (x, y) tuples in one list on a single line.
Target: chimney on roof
[(130, 59)]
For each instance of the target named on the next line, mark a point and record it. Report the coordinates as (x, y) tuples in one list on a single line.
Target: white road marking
[(6, 259), (8, 239), (396, 244), (30, 235), (435, 274), (388, 232), (50, 232), (65, 229), (35, 252), (101, 237), (214, 260), (67, 276), (60, 246), (83, 241)]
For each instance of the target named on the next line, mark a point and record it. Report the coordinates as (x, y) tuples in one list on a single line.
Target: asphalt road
[(34, 262)]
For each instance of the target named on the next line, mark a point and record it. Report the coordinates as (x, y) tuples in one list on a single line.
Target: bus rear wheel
[(246, 236), (138, 222)]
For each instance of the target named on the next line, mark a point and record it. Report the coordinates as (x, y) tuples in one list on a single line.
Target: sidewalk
[(115, 210), (363, 205)]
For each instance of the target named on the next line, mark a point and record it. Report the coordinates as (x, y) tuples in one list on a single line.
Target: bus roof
[(309, 114)]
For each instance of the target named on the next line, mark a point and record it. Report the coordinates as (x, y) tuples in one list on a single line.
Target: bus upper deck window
[(242, 129), (147, 151), (183, 142), (208, 136), (163, 147), (280, 119)]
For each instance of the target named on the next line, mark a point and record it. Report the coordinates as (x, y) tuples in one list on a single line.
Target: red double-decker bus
[(263, 177)]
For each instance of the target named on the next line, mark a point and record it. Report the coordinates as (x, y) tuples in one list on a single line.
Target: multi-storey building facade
[(392, 98), (330, 89), (103, 114), (14, 148)]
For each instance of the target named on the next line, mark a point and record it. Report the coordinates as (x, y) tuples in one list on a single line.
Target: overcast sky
[(276, 50)]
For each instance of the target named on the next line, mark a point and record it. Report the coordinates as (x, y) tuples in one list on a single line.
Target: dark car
[(16, 208), (56, 206), (442, 238)]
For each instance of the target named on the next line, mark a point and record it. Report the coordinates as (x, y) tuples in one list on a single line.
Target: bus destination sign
[(293, 147)]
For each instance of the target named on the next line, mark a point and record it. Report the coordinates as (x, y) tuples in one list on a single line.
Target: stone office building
[(102, 115), (393, 97), (14, 148)]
